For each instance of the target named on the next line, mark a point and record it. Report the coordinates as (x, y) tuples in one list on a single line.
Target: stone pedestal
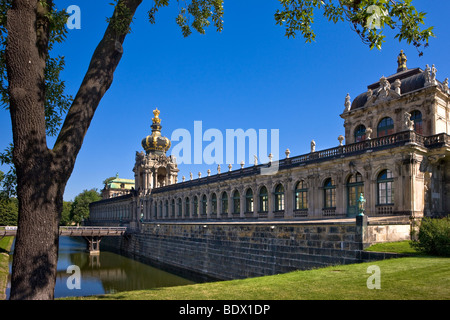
[(361, 232)]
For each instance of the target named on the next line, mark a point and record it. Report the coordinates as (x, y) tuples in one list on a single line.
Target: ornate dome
[(409, 80), (155, 143)]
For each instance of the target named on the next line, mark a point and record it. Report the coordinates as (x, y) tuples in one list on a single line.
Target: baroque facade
[(396, 154)]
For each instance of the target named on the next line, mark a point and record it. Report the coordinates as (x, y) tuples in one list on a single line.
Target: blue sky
[(250, 76)]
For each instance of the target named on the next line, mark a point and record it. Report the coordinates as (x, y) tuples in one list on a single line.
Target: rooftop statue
[(401, 60)]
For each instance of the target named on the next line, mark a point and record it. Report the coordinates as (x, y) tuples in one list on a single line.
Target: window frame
[(214, 203), (329, 194), (236, 199), (279, 197), (360, 135), (204, 204), (388, 191), (249, 202), (417, 118), (263, 200), (301, 203), (224, 202), (385, 129)]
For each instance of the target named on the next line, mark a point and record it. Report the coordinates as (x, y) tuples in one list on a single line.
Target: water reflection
[(106, 273)]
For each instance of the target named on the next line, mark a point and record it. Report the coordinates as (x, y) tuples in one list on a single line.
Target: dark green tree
[(80, 206), (8, 211), (8, 207), (65, 214), (29, 29)]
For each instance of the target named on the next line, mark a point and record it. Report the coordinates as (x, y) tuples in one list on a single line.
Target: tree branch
[(96, 82)]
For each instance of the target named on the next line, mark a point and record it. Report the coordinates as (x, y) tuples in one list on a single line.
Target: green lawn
[(410, 278), (402, 247), (417, 277)]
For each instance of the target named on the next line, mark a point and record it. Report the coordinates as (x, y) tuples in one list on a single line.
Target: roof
[(117, 183), (411, 80)]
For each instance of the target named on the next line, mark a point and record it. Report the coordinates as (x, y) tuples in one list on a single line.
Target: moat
[(105, 273)]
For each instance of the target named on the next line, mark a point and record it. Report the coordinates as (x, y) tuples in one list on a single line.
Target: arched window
[(279, 197), (166, 208), (355, 186), (329, 192), (385, 127), (416, 116), (160, 209), (195, 206), (214, 204), (236, 202), (180, 207), (204, 204), (360, 133), (301, 196), (263, 200), (172, 209), (186, 207), (224, 202), (249, 200), (385, 187)]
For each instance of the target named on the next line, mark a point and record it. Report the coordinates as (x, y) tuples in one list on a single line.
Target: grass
[(5, 246), (402, 247), (417, 277)]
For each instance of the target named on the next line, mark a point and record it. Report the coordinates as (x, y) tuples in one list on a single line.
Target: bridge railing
[(73, 231), (92, 231), (7, 231)]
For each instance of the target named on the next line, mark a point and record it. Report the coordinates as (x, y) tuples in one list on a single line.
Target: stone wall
[(388, 233), (239, 250)]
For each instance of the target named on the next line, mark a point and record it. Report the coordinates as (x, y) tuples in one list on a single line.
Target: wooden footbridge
[(93, 235)]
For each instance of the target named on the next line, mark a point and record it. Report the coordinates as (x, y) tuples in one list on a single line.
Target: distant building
[(117, 187), (396, 153)]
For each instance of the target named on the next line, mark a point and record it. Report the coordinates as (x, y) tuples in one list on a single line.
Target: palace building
[(396, 154), (116, 187)]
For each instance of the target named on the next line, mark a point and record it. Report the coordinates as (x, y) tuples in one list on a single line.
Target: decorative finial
[(287, 153), (401, 61), (156, 119), (397, 86)]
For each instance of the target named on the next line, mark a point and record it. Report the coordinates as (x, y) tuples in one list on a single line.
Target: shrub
[(433, 237)]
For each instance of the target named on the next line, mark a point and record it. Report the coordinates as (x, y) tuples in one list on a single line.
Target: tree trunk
[(42, 173), (36, 248)]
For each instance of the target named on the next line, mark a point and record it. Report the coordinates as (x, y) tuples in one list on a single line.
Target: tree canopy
[(80, 207)]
